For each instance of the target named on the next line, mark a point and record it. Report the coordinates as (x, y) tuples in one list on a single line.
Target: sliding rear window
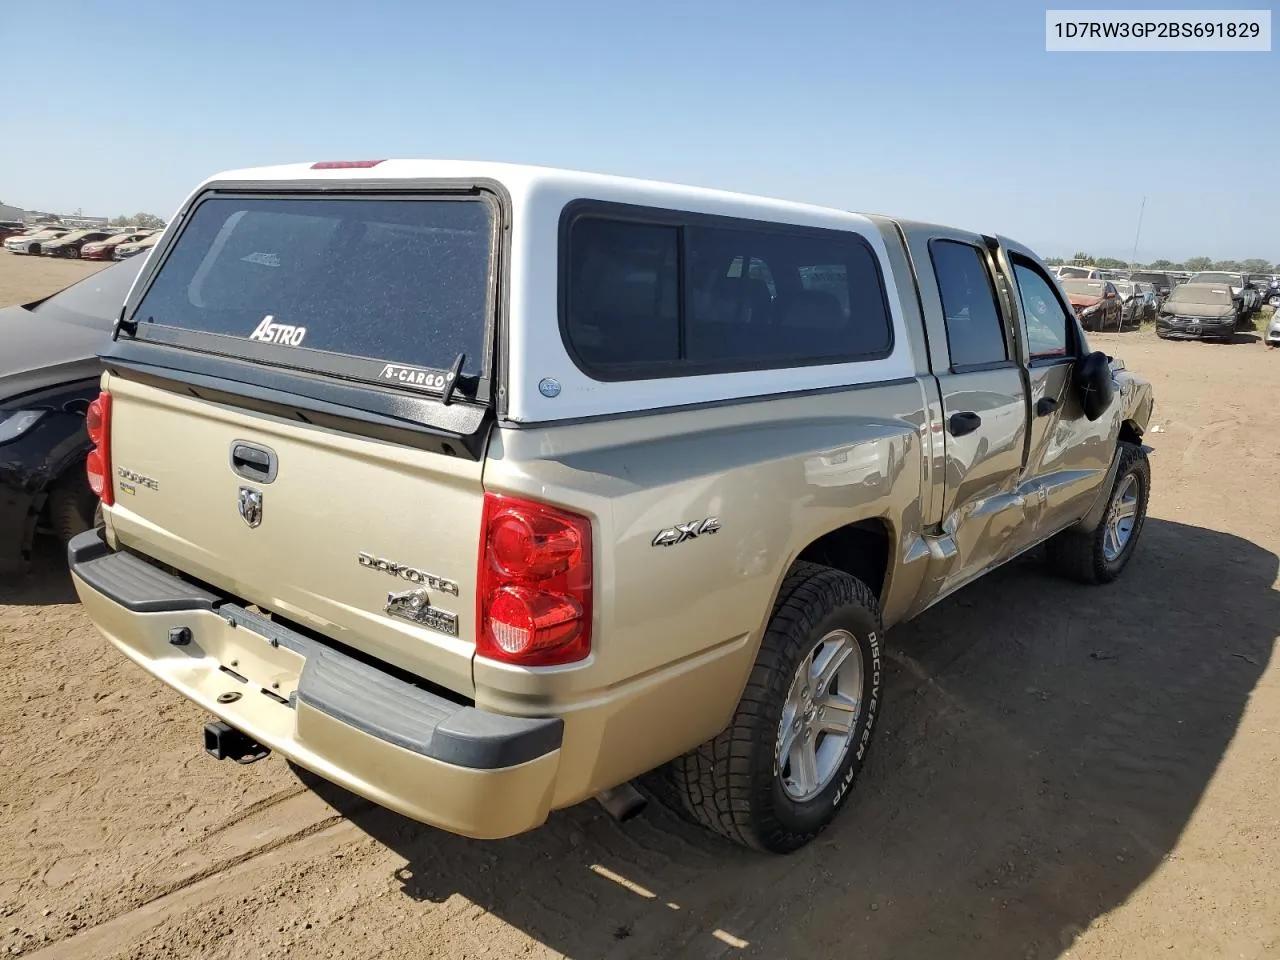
[(384, 289)]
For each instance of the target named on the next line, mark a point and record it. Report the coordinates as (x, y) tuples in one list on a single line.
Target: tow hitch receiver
[(224, 742)]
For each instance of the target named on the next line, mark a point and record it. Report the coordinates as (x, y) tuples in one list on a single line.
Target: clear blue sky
[(942, 110)]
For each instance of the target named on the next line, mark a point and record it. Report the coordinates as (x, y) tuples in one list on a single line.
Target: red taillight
[(344, 164), (97, 421), (534, 603)]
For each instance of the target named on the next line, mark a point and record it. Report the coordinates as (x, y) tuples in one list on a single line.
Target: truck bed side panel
[(776, 475)]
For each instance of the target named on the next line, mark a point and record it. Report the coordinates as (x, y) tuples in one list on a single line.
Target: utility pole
[(1133, 260)]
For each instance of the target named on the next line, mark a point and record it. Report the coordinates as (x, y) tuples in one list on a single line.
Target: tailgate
[(373, 301), (344, 522)]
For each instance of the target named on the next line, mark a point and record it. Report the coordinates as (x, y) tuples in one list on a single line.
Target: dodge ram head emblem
[(251, 506)]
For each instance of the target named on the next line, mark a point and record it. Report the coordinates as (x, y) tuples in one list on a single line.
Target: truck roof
[(525, 180)]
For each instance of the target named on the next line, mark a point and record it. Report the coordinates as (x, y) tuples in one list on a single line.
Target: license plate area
[(253, 664)]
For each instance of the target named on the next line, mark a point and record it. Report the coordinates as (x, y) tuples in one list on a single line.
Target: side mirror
[(1110, 294), (1094, 384)]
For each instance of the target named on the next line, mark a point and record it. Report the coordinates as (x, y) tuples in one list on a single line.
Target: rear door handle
[(1046, 406), (963, 423)]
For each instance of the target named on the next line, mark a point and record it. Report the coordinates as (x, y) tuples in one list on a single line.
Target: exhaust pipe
[(623, 802), (224, 742)]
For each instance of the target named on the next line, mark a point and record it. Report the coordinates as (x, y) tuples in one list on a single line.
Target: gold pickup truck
[(483, 490)]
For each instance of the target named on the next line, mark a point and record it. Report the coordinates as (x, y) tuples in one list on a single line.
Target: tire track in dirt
[(103, 939), (268, 824)]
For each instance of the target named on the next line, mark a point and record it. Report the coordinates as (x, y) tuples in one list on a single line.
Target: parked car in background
[(49, 372), (1247, 298), (70, 244), (105, 249), (32, 243), (11, 228), (1161, 281), (1257, 287), (1132, 304), (1272, 293), (1272, 335), (1097, 302), (1199, 311), (1150, 300), (1069, 272), (126, 250)]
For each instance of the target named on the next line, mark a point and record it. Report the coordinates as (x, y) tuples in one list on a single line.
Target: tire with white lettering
[(781, 770)]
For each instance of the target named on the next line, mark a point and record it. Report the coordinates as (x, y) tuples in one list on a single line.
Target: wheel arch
[(1130, 432)]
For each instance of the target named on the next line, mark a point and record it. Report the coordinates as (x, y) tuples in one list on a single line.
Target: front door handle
[(1046, 406), (964, 423)]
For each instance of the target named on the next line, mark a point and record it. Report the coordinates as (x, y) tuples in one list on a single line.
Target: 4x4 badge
[(686, 531), (251, 506)]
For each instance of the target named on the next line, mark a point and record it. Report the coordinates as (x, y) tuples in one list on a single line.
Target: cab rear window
[(300, 280)]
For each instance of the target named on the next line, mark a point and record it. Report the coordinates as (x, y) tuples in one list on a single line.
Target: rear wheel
[(73, 508), (1099, 555), (778, 774)]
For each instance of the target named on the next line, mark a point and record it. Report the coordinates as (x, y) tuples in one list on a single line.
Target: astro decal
[(282, 333), (413, 376)]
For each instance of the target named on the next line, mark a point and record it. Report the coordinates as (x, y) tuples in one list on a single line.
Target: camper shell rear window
[(391, 289)]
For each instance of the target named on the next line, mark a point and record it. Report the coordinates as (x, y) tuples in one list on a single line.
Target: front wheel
[(777, 775), (1099, 555)]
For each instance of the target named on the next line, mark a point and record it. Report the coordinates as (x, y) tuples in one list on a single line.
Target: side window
[(662, 298), (804, 299), (975, 331), (623, 293), (1048, 329)]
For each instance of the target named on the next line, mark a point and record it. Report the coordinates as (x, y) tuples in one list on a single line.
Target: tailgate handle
[(253, 462)]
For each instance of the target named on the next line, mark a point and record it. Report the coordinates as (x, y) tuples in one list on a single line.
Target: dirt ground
[(1061, 771)]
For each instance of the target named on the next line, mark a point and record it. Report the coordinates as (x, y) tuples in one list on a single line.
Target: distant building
[(84, 222), (12, 213)]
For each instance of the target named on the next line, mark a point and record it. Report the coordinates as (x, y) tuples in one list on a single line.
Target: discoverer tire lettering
[(731, 783)]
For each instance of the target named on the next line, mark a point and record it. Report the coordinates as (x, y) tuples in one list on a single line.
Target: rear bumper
[(356, 723)]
